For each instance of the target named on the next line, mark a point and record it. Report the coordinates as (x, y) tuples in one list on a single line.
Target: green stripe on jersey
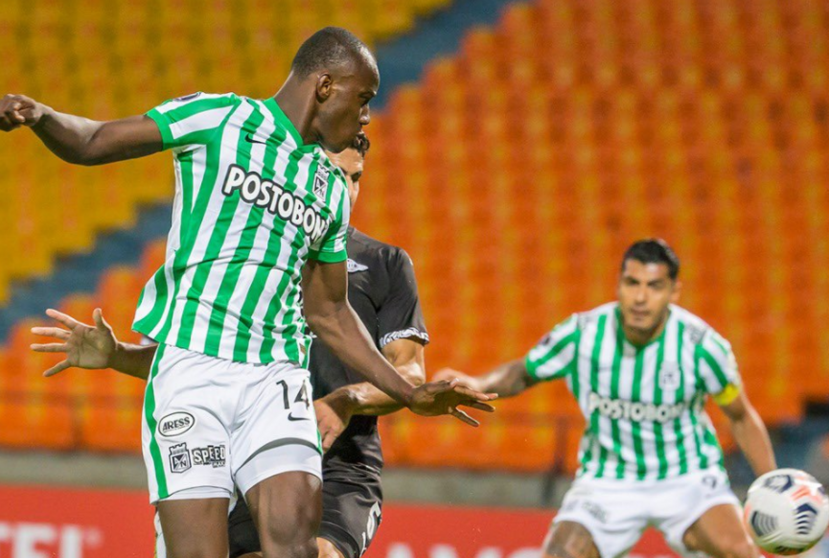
[(655, 393), (243, 230)]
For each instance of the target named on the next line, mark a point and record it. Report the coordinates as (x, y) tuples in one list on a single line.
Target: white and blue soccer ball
[(786, 511)]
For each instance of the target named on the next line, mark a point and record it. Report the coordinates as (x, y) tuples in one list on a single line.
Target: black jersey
[(383, 291)]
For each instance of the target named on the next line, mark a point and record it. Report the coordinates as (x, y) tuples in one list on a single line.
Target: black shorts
[(352, 499)]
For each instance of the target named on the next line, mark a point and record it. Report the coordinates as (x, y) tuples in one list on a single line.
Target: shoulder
[(209, 99), (696, 330), (590, 319)]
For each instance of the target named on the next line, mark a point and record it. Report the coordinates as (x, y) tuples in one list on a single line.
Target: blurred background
[(517, 149)]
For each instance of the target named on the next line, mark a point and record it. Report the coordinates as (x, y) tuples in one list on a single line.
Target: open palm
[(85, 346)]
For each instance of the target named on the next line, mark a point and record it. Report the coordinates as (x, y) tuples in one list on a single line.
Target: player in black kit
[(383, 291)]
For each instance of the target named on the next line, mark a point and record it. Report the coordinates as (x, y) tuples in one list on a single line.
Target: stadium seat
[(514, 172)]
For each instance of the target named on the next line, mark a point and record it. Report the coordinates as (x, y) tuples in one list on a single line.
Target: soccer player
[(260, 217), (641, 369), (383, 291)]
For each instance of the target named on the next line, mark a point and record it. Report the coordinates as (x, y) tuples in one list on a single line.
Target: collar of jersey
[(622, 335), (280, 117)]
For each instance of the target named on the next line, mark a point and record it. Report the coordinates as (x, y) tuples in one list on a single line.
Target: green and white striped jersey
[(252, 204), (643, 405)]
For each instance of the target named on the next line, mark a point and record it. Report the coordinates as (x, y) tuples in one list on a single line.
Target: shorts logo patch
[(215, 456), (176, 424), (179, 459)]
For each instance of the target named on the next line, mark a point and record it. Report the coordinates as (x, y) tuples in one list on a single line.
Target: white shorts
[(617, 512), (209, 424)]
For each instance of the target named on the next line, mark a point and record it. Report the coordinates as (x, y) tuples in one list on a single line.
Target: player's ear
[(676, 290), (324, 87)]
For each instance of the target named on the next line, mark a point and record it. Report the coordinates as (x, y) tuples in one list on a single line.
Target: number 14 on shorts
[(301, 397)]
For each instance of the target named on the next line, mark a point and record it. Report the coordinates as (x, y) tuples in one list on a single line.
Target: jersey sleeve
[(718, 368), (330, 248), (400, 315), (555, 355), (188, 122)]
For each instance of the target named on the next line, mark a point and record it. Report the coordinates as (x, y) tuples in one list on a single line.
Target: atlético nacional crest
[(669, 375), (321, 182)]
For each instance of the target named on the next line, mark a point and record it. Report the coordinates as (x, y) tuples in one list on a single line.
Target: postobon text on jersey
[(262, 192)]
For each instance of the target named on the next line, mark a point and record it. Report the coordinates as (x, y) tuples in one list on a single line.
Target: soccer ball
[(786, 511)]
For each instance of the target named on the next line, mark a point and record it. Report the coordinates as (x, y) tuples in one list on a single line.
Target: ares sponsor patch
[(175, 424)]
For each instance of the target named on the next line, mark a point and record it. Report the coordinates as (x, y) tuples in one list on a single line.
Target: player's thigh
[(243, 538), (352, 502), (568, 539), (721, 533), (602, 516), (190, 401), (194, 528), (287, 509)]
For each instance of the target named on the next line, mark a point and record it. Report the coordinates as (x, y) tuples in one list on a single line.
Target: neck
[(641, 337), (298, 106)]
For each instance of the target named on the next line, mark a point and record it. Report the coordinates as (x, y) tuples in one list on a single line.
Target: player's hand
[(333, 415), (449, 374), (444, 398), (85, 346), (17, 111)]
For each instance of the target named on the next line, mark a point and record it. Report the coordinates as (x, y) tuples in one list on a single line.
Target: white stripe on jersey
[(227, 157)]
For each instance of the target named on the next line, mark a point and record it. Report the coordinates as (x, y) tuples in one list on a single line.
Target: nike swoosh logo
[(292, 418), (250, 139)]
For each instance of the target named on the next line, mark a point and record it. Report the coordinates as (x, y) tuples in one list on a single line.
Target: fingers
[(473, 394), (463, 417), (65, 319), (49, 347), (480, 406), (57, 369), (56, 332), (100, 322), (16, 111)]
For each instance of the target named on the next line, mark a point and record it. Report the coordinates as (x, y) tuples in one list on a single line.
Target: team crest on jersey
[(321, 182), (669, 376)]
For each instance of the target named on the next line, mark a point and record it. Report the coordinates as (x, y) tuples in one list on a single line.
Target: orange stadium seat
[(116, 62), (514, 173)]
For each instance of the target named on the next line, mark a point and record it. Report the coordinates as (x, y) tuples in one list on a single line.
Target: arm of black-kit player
[(332, 319), (749, 431), (334, 411), (406, 355), (79, 140), (92, 347)]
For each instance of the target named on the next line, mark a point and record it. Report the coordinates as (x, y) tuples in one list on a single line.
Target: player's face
[(645, 291), (351, 163), (345, 110)]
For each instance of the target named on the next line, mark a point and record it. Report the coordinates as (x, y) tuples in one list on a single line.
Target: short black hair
[(653, 250), (361, 144), (328, 47)]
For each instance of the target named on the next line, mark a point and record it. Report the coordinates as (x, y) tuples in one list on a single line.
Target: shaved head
[(328, 49)]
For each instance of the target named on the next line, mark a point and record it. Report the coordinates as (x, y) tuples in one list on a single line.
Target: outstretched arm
[(749, 432), (334, 411), (92, 347), (406, 356), (79, 140), (507, 380), (333, 320)]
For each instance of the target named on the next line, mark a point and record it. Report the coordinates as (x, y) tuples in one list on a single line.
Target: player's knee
[(328, 550)]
